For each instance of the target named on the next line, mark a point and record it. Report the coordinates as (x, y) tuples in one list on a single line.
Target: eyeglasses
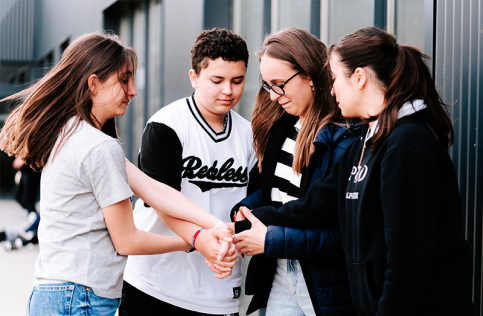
[(277, 88)]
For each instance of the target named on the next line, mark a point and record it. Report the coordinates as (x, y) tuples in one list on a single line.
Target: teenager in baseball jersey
[(199, 146)]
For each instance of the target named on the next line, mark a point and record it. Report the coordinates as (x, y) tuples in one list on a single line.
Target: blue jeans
[(289, 295), (69, 299)]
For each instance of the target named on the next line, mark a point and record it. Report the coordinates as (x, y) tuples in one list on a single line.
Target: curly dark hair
[(217, 43)]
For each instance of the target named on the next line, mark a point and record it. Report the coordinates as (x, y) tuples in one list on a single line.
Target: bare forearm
[(184, 229), (146, 243), (167, 200), (128, 240)]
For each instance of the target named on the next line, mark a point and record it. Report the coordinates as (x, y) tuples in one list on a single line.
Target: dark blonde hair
[(33, 127), (402, 73), (308, 55)]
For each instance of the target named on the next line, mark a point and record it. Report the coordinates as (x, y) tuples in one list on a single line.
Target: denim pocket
[(51, 299), (69, 299), (362, 296)]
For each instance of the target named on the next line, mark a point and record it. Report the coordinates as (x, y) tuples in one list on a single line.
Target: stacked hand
[(216, 245), (220, 247)]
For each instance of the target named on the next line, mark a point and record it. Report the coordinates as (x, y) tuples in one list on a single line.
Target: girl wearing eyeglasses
[(395, 188), (297, 139)]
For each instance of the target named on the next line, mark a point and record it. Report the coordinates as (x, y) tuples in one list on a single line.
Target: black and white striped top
[(286, 183)]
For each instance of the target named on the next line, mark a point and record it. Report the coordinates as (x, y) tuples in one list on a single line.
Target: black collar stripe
[(217, 137)]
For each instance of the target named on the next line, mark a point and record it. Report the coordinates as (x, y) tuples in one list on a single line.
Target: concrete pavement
[(16, 266)]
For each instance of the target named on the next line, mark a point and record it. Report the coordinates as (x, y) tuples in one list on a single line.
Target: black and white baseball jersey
[(180, 148)]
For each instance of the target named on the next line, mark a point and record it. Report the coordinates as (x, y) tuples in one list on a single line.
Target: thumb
[(248, 215), (222, 235)]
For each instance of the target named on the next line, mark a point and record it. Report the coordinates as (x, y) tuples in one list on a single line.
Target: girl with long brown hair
[(65, 128), (298, 137), (395, 188)]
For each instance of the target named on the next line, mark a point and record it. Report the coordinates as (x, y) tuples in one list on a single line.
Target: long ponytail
[(412, 80)]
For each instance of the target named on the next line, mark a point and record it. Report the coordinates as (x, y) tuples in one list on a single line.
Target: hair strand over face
[(32, 129)]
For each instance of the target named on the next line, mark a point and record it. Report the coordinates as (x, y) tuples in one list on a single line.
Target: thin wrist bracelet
[(195, 236)]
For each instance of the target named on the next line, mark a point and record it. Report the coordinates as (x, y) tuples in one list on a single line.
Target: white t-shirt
[(179, 148), (86, 175)]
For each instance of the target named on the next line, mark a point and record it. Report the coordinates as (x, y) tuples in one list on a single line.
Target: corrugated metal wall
[(458, 70), (16, 30)]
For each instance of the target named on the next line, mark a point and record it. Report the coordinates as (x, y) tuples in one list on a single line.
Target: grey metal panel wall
[(16, 30), (458, 74)]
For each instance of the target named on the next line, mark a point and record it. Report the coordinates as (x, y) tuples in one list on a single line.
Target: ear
[(92, 83), (359, 77), (311, 83), (193, 79)]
